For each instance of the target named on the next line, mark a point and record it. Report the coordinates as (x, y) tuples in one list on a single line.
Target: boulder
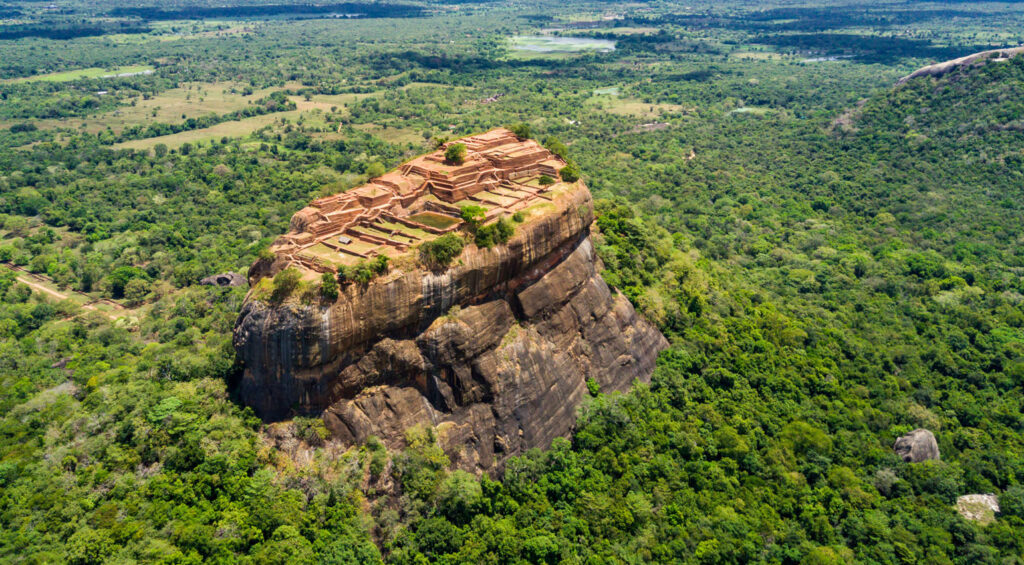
[(224, 279), (917, 446)]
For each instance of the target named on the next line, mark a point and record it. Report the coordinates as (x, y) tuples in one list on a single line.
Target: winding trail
[(39, 282)]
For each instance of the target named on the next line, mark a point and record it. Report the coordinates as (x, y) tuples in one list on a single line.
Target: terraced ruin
[(421, 201)]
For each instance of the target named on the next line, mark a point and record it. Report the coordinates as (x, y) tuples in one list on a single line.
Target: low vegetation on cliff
[(836, 261), (440, 252)]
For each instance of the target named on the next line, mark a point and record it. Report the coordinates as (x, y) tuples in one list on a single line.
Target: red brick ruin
[(419, 201)]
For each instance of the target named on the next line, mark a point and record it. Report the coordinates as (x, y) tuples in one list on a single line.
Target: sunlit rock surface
[(494, 352)]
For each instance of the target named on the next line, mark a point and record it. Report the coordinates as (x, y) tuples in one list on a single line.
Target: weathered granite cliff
[(980, 58), (494, 351)]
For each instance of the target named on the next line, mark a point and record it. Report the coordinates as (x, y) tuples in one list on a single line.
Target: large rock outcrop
[(494, 352), (939, 69)]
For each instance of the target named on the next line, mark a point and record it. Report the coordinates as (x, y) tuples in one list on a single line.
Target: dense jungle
[(836, 260)]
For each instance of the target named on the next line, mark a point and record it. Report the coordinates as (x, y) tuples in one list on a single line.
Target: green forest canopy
[(835, 264)]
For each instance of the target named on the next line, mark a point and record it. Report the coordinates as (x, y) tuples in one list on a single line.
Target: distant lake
[(553, 44)]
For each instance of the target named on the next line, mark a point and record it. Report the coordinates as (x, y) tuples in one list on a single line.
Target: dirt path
[(35, 281)]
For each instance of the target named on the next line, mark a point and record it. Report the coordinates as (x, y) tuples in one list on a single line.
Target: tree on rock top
[(570, 173), (473, 216), (522, 130), (456, 153)]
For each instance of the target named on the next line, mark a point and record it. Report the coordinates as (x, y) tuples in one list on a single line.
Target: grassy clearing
[(325, 254), (633, 107), (391, 134), (421, 234), (91, 72), (756, 56), (169, 107), (237, 128)]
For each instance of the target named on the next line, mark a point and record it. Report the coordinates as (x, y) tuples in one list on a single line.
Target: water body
[(829, 58), (552, 44), (434, 220), (136, 73)]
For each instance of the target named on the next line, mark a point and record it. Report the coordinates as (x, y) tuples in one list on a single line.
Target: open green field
[(627, 106), (237, 128), (392, 134), (92, 72), (175, 105)]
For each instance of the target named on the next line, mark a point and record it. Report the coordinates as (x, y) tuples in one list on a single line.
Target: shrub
[(329, 287), (456, 153), (345, 274), (362, 274), (23, 127), (518, 217), (473, 216), (379, 265), (546, 180), (285, 282), (441, 251), (498, 232)]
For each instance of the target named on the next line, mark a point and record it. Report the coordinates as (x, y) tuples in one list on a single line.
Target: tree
[(570, 173), (1011, 502), (522, 130), (545, 180), (455, 153), (119, 278), (473, 216), (87, 546), (136, 290), (555, 145), (375, 169)]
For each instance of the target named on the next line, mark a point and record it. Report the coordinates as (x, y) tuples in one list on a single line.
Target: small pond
[(434, 220)]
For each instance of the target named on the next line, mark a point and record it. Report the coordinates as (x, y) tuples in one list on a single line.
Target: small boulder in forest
[(917, 446), (224, 279)]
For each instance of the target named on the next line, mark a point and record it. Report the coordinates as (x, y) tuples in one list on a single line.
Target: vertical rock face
[(494, 352)]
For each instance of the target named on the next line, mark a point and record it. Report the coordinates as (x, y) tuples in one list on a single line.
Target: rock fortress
[(494, 352)]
